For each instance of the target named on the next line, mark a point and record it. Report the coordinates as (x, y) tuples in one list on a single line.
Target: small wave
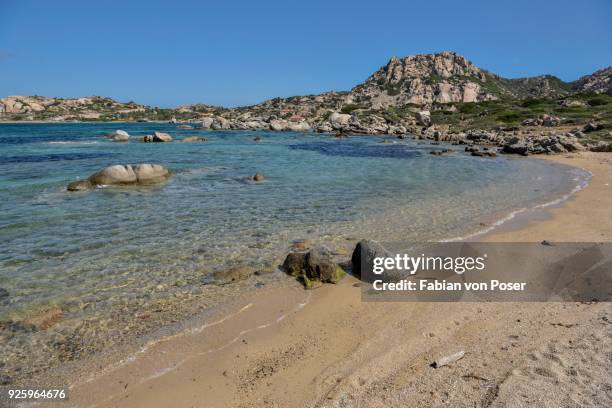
[(582, 183), (72, 142)]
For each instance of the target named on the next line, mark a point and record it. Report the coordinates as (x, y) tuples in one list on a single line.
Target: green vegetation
[(350, 108), (575, 110)]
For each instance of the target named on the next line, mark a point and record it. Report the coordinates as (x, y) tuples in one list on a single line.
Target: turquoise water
[(88, 252)]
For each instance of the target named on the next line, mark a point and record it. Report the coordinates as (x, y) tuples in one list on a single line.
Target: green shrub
[(598, 101), (508, 116), (349, 108)]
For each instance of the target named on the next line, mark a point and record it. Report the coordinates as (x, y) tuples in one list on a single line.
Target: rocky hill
[(598, 82), (419, 93), (447, 77)]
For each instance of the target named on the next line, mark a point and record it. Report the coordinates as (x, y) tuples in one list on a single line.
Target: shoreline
[(170, 381)]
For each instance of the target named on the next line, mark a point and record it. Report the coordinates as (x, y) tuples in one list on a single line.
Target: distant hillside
[(400, 88), (444, 78)]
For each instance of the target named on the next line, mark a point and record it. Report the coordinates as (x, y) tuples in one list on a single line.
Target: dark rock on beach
[(313, 268), (364, 254)]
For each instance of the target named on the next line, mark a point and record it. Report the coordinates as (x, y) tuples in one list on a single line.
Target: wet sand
[(288, 347)]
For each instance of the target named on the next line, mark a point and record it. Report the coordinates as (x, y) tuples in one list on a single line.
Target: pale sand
[(330, 349)]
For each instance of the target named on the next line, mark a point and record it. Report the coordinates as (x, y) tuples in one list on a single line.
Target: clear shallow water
[(89, 252)]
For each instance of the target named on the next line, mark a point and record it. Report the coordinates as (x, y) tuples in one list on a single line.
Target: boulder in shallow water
[(313, 268), (150, 173), (117, 174), (118, 136), (79, 185), (258, 177), (123, 175), (161, 137)]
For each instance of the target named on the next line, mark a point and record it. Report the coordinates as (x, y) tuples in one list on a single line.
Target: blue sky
[(231, 53)]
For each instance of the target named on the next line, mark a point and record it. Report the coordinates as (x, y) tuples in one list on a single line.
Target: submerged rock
[(184, 127), (313, 268), (79, 185), (258, 177), (195, 139), (4, 295), (234, 274)]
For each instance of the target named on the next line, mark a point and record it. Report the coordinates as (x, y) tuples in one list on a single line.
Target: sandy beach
[(287, 347)]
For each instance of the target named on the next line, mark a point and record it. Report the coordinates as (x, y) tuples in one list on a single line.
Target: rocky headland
[(440, 97)]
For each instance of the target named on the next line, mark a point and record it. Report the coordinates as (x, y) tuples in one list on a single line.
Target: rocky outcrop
[(598, 82), (423, 118), (141, 174), (542, 145), (299, 127), (206, 123), (423, 79), (278, 125), (313, 268), (543, 120), (220, 123)]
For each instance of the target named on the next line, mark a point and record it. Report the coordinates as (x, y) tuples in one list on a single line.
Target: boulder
[(313, 268), (150, 173), (591, 126), (258, 177), (184, 127), (220, 123), (206, 123), (123, 175), (161, 137), (299, 127), (518, 147), (112, 175), (234, 274), (278, 125), (118, 136), (79, 185), (601, 147), (423, 118), (363, 257), (324, 128), (339, 120)]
